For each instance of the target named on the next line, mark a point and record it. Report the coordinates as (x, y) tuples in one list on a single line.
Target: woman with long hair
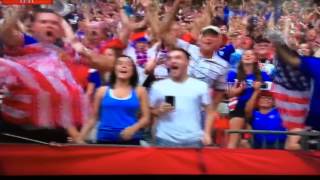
[(101, 77), (122, 109), (241, 91)]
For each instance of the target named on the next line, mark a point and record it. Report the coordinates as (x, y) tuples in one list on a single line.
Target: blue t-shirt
[(310, 67), (247, 93), (29, 40), (226, 51), (270, 122), (95, 78)]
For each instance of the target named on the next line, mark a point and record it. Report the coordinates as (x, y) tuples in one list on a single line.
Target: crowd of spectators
[(162, 73)]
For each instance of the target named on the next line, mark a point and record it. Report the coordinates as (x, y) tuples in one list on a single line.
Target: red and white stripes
[(232, 103), (292, 105), (41, 95)]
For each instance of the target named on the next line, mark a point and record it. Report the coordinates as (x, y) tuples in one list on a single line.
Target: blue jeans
[(165, 143)]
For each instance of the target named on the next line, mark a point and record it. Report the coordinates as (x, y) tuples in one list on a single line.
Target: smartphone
[(266, 86), (170, 100)]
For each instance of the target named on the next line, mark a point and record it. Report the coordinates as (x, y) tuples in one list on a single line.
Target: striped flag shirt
[(42, 91)]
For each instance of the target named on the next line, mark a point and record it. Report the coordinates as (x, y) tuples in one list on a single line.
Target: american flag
[(42, 92), (292, 92), (232, 103)]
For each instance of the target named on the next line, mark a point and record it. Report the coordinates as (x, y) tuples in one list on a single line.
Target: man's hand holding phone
[(167, 106)]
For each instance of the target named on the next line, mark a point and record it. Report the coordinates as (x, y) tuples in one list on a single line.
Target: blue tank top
[(116, 114)]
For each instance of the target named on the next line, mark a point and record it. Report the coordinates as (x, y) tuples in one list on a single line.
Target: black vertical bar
[(252, 135), (264, 143), (307, 142), (277, 142), (226, 138), (304, 142)]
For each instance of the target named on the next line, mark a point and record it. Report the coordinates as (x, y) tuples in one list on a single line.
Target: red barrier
[(261, 162), (77, 160), (101, 160)]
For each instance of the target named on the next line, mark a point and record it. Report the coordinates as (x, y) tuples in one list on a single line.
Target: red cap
[(266, 93), (137, 36), (114, 43)]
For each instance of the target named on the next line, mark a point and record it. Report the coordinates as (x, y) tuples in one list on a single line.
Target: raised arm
[(283, 52), (10, 33), (124, 31), (271, 22), (152, 17), (95, 60), (205, 19), (170, 17), (287, 55), (126, 26), (251, 104), (164, 30)]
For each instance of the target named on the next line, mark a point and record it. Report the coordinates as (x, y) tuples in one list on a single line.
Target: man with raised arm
[(43, 100), (302, 70)]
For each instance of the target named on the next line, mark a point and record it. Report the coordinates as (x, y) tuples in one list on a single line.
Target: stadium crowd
[(163, 73)]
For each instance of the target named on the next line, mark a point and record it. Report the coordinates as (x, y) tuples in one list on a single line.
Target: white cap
[(213, 28)]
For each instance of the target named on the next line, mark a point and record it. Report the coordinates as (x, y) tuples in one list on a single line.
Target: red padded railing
[(18, 159)]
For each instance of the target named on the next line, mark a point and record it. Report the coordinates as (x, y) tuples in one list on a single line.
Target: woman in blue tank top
[(122, 108)]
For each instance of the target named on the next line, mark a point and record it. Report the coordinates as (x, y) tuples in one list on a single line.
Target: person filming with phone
[(177, 103), (262, 114), (241, 89)]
